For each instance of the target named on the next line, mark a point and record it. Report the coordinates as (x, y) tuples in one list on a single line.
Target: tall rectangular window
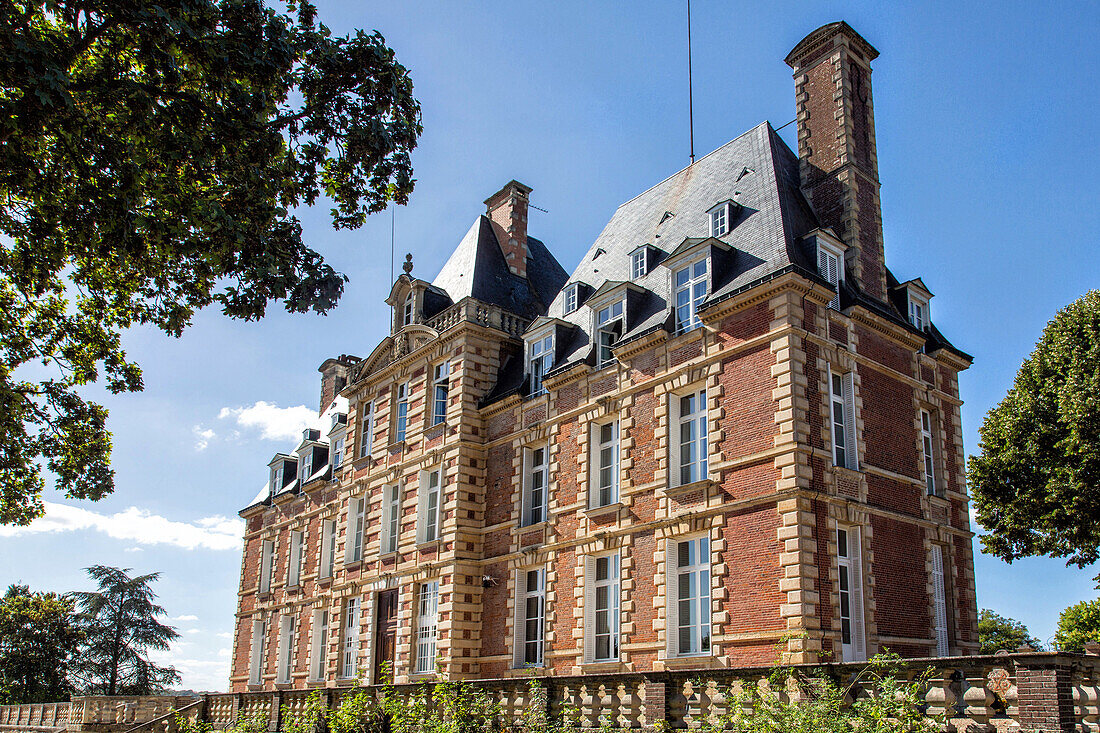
[(440, 389), (530, 617), (294, 563), (691, 436), (328, 548), (366, 432), (318, 648), (570, 304), (391, 518), (719, 220), (605, 464), (602, 597), (286, 649), (267, 564), (939, 602), (431, 484), (256, 660), (830, 267), (918, 313), (637, 264), (337, 454), (540, 358), (609, 325), (357, 514), (276, 479), (427, 619), (842, 409), (534, 488), (349, 663), (926, 433), (401, 421), (306, 463), (850, 586), (689, 291), (688, 609)]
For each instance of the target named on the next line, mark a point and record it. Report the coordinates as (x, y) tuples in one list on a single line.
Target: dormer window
[(571, 298), (307, 467), (721, 219), (918, 312), (830, 264), (407, 311), (689, 291), (276, 478), (540, 359), (609, 327), (638, 264)]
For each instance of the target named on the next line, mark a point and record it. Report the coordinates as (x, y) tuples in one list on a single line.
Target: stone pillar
[(1045, 691), (655, 705), (275, 712)]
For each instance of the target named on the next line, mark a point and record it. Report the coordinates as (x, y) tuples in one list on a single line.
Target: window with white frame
[(604, 488), (689, 291), (530, 617), (427, 619), (401, 418), (391, 518), (830, 264), (440, 389), (609, 326), (318, 647), (926, 433), (918, 312), (285, 661), (721, 218), (366, 433), (357, 515), (294, 564), (277, 478), (688, 596), (638, 264), (534, 486), (256, 660), (328, 548), (407, 311), (842, 409), (349, 661), (602, 597), (690, 439), (939, 602), (850, 587), (267, 564), (337, 453), (306, 463), (540, 359), (431, 486), (571, 298)]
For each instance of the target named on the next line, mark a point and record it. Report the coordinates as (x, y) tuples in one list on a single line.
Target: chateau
[(731, 427)]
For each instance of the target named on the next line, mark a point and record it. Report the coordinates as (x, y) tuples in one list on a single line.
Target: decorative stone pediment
[(393, 348)]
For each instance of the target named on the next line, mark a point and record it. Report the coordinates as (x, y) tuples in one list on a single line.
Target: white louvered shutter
[(850, 420), (589, 609), (940, 602), (618, 631), (519, 607), (672, 601), (859, 642)]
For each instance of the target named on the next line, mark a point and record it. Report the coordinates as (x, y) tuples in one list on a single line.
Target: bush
[(1078, 624)]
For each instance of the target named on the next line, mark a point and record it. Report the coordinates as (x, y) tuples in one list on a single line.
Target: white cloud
[(137, 525), (209, 674), (134, 549), (184, 618), (226, 635), (193, 631), (224, 652), (273, 422), (203, 436)]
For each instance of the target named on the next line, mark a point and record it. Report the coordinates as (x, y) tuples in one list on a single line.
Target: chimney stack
[(334, 377), (507, 210), (836, 145)]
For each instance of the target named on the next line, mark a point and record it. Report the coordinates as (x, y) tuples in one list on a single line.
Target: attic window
[(609, 325), (830, 264), (638, 264), (721, 219), (571, 298), (407, 312), (918, 312), (540, 359)]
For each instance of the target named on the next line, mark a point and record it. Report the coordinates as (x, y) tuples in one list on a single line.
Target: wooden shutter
[(855, 552), (589, 609), (940, 602), (672, 604), (850, 421)]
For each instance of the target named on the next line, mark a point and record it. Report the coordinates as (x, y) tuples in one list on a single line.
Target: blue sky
[(987, 138)]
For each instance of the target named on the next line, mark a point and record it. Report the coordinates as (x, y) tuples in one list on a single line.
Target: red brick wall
[(901, 592)]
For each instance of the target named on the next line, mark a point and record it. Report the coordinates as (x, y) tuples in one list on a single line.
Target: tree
[(120, 626), (38, 640), (151, 156), (1078, 624), (996, 632), (1036, 482)]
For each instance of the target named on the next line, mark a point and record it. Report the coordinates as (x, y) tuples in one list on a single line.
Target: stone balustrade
[(473, 311)]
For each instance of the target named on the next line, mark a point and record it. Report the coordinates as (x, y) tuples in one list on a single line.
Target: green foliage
[(996, 632), (38, 640), (1036, 483), (151, 156), (1078, 624), (120, 626)]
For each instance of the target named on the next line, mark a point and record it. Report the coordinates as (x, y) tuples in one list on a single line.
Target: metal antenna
[(691, 110), (393, 218)]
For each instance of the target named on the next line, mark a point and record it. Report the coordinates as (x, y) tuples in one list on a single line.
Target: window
[(337, 453), (307, 467), (294, 565), (328, 548), (690, 288), (918, 313), (256, 661), (430, 486), (534, 490), (357, 511), (402, 412), (366, 434), (286, 650), (637, 264), (267, 564), (318, 649), (350, 655), (609, 324), (842, 408), (691, 422), (391, 518), (426, 621), (939, 602), (440, 389), (602, 609), (926, 433), (276, 478), (851, 594), (605, 465), (540, 360), (407, 311), (530, 617), (688, 590), (721, 217), (571, 298), (831, 267)]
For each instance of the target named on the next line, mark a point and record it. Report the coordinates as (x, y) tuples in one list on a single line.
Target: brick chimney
[(507, 209), (334, 377), (836, 145)]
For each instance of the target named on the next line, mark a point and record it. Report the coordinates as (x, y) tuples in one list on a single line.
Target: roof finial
[(408, 266)]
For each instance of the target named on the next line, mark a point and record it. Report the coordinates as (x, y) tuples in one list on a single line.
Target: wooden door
[(385, 634)]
